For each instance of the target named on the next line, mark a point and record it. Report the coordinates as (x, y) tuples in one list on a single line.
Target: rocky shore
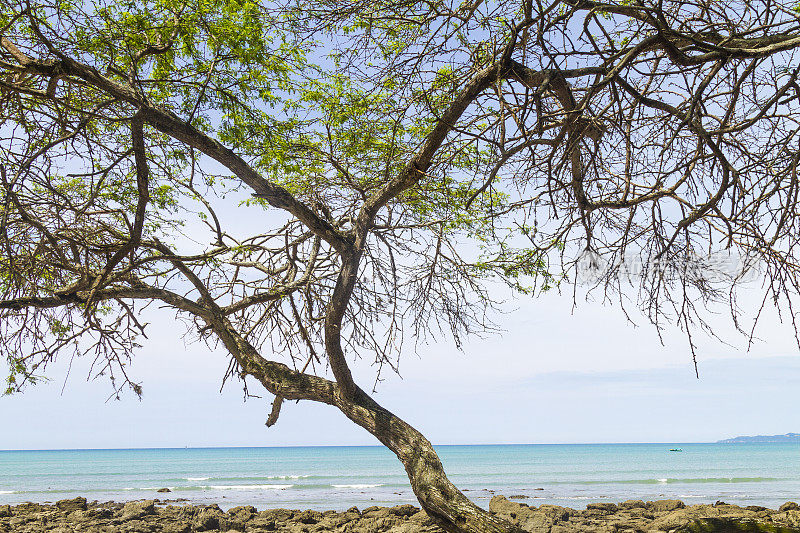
[(170, 516)]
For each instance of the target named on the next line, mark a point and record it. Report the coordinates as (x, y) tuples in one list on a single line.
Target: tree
[(401, 155)]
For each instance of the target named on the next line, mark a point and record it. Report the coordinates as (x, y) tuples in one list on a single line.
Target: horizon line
[(148, 448)]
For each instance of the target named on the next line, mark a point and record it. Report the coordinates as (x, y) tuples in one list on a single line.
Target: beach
[(169, 516)]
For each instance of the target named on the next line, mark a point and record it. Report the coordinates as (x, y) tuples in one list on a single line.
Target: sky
[(554, 375)]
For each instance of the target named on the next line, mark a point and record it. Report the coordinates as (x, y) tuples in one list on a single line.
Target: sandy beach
[(172, 516)]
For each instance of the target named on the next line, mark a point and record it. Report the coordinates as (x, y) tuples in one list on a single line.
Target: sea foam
[(247, 487)]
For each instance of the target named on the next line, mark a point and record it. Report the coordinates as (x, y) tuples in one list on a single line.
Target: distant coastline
[(762, 439)]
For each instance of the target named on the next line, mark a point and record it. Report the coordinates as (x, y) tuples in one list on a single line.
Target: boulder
[(539, 520), (137, 510), (788, 506), (605, 507), (248, 509), (164, 489), (99, 513), (403, 510), (308, 517), (503, 506), (5, 511), (675, 519), (632, 504), (207, 519), (75, 504), (228, 523), (556, 512), (260, 523), (277, 515), (375, 512), (27, 508), (665, 506)]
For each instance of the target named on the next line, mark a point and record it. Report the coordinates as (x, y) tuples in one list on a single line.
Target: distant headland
[(788, 437)]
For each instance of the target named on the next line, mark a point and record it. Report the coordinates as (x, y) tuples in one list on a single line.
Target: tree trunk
[(443, 502)]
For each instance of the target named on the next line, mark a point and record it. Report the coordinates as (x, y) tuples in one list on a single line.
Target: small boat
[(675, 450)]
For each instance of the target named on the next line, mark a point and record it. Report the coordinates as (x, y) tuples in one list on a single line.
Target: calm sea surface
[(340, 477)]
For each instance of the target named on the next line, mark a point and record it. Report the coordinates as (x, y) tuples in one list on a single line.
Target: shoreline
[(320, 478), (175, 516)]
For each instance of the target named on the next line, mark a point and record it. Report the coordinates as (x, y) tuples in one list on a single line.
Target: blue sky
[(554, 375)]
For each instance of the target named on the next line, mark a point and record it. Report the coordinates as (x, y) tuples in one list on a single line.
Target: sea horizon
[(348, 446)]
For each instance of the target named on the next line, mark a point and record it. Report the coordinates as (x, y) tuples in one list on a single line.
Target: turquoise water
[(340, 477)]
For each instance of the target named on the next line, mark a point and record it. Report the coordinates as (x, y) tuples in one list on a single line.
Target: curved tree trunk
[(443, 502)]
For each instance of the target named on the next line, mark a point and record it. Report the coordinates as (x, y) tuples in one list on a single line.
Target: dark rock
[(241, 515), (249, 509), (403, 510), (278, 515), (375, 512), (27, 508), (789, 506), (227, 523), (502, 506), (756, 508), (662, 506), (75, 504), (308, 517), (90, 515), (632, 504), (262, 524), (605, 507), (719, 502), (544, 519), (556, 512), (136, 510), (354, 510), (518, 497), (165, 489), (5, 511), (207, 519)]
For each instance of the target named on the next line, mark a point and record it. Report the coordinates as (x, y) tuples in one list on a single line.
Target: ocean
[(341, 477)]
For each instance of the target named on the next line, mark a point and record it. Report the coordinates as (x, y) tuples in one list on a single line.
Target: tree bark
[(443, 502), (437, 495)]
